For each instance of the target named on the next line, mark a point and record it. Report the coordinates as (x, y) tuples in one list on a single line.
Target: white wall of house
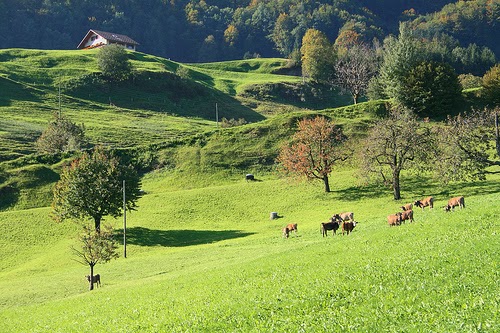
[(95, 40)]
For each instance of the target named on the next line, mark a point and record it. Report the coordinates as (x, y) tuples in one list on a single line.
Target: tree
[(282, 34), (95, 247), (395, 144), (314, 150), (400, 54), (91, 187), (469, 144), (61, 135), (113, 62), (317, 56), (354, 70), (491, 85), (430, 89)]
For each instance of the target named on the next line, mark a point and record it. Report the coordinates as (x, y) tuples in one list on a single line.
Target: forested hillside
[(198, 30)]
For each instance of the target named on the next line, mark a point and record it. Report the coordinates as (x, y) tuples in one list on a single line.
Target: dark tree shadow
[(176, 238)]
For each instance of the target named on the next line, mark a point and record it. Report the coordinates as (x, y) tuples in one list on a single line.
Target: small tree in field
[(92, 187), (61, 135), (95, 247), (354, 70), (469, 145), (394, 144), (113, 62), (314, 149)]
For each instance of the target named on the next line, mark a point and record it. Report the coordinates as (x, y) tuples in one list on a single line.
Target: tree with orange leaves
[(314, 150)]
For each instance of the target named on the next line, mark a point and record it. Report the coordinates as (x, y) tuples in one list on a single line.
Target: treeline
[(209, 30)]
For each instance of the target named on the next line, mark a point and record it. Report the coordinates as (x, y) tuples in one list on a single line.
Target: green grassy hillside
[(209, 259), (203, 255)]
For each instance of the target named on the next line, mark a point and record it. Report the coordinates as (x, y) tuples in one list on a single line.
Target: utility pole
[(216, 115), (59, 114), (124, 223)]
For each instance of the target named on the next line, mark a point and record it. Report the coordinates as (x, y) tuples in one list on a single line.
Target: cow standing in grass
[(429, 201), (288, 229), (95, 279), (332, 225), (454, 202)]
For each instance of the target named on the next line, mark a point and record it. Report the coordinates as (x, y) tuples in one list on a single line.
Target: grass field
[(202, 254), (209, 259)]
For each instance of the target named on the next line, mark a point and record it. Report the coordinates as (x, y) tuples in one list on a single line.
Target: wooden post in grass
[(124, 222), (216, 115)]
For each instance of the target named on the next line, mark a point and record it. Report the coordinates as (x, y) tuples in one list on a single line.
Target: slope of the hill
[(209, 258), (154, 105)]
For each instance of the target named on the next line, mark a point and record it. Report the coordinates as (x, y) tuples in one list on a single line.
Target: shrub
[(113, 62)]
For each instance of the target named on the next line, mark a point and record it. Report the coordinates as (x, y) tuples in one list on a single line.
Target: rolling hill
[(202, 254)]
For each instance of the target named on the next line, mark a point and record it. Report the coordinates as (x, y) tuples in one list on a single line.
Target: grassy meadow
[(209, 259), (202, 253)]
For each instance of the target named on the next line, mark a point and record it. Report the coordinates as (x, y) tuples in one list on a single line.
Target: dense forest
[(209, 30)]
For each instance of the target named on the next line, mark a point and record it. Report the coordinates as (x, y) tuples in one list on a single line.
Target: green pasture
[(202, 254), (207, 258)]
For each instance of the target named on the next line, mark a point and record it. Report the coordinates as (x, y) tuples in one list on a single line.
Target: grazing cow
[(394, 219), (429, 201), (348, 227), (407, 215), (332, 225), (453, 202), (348, 216), (95, 279), (289, 228), (406, 207), (249, 176)]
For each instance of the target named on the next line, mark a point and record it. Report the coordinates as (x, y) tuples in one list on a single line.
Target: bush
[(491, 85), (113, 62)]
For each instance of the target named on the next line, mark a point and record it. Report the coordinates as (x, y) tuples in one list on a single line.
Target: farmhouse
[(95, 38)]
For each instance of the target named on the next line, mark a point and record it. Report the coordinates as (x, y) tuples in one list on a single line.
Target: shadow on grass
[(417, 188), (177, 238)]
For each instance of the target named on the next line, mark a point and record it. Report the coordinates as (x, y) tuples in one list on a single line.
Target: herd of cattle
[(345, 221)]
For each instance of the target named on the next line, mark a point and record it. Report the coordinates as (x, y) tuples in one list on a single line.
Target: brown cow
[(406, 207), (407, 215), (453, 202), (394, 219), (347, 216), (348, 227), (95, 279), (429, 201), (332, 225), (289, 228)]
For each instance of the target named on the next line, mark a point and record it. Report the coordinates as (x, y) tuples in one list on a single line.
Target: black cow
[(332, 225)]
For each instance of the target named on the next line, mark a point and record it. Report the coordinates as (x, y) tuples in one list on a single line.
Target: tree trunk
[(91, 283), (395, 185), (497, 134), (97, 222), (355, 98), (327, 183)]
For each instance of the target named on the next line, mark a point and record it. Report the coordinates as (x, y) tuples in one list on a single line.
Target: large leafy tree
[(95, 247), (317, 56), (91, 187), (113, 62), (400, 54), (314, 150), (430, 89), (61, 135), (396, 143)]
